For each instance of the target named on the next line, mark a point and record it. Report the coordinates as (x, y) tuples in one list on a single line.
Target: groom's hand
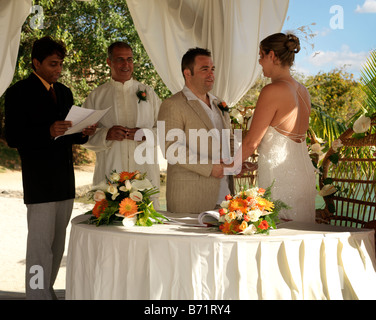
[(217, 171), (248, 166)]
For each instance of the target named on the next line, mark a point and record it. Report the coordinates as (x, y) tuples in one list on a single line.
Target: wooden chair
[(354, 205)]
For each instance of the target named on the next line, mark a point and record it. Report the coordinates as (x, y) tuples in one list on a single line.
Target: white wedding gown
[(287, 163)]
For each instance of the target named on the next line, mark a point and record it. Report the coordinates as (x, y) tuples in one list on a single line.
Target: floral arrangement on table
[(125, 197), (141, 95), (250, 211)]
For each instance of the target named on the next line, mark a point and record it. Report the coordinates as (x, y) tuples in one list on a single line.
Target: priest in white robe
[(134, 106)]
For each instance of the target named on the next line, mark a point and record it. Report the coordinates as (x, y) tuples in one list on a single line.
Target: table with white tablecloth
[(176, 261)]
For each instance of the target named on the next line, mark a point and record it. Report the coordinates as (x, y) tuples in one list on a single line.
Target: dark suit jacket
[(47, 164)]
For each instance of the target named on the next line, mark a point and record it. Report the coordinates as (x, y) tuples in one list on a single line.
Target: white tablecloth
[(296, 261)]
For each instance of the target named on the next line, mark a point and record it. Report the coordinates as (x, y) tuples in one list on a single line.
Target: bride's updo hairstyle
[(284, 46)]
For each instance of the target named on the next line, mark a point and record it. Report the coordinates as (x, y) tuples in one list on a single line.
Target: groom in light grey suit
[(195, 174)]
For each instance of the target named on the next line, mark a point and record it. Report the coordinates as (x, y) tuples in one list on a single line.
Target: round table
[(175, 261)]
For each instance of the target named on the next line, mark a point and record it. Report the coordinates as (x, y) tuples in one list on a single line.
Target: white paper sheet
[(82, 118)]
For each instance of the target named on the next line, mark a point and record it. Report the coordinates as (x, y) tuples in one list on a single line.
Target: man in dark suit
[(35, 109)]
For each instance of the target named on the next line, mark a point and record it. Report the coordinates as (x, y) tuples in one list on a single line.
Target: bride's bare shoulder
[(275, 89)]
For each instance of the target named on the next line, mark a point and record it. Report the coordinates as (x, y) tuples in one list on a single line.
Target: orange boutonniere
[(141, 95), (223, 107)]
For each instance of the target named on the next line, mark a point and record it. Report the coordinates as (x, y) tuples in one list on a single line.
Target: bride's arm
[(265, 111)]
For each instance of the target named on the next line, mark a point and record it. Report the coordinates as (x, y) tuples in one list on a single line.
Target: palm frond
[(368, 81), (324, 126)]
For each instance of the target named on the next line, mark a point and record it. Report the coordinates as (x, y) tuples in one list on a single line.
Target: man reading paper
[(35, 109)]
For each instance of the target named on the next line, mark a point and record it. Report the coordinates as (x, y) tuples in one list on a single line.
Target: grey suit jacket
[(190, 186)]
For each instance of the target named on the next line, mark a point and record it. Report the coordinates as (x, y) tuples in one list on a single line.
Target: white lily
[(249, 113), (316, 148), (327, 190), (250, 230), (126, 187), (113, 190), (234, 112), (337, 144), (362, 124), (141, 184), (136, 196), (115, 177)]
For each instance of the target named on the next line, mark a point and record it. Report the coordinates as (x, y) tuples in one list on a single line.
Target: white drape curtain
[(232, 30), (13, 14)]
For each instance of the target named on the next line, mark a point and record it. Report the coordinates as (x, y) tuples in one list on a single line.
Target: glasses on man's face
[(121, 60)]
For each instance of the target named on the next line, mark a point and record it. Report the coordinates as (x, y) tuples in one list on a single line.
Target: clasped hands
[(218, 169), (119, 133), (58, 128)]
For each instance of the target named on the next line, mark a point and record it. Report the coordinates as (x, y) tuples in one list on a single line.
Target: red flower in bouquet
[(100, 207), (263, 225)]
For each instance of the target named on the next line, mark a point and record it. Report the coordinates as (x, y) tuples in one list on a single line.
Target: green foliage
[(251, 97), (368, 82), (324, 126), (337, 94)]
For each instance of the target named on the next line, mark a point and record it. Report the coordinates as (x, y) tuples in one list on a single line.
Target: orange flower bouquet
[(125, 197), (249, 212)]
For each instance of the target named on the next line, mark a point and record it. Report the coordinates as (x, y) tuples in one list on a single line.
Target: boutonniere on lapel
[(141, 95), (223, 107)]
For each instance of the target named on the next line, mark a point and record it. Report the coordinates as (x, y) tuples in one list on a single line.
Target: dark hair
[(118, 44), (45, 47), (285, 46), (188, 60)]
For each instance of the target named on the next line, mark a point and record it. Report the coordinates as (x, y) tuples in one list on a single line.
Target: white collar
[(191, 96), (126, 84)]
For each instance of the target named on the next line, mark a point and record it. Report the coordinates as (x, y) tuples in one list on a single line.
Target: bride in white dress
[(278, 130)]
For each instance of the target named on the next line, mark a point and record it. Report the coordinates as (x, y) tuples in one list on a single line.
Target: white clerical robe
[(127, 111)]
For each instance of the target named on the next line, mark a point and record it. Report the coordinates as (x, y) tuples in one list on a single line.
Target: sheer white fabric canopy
[(232, 30), (12, 16)]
